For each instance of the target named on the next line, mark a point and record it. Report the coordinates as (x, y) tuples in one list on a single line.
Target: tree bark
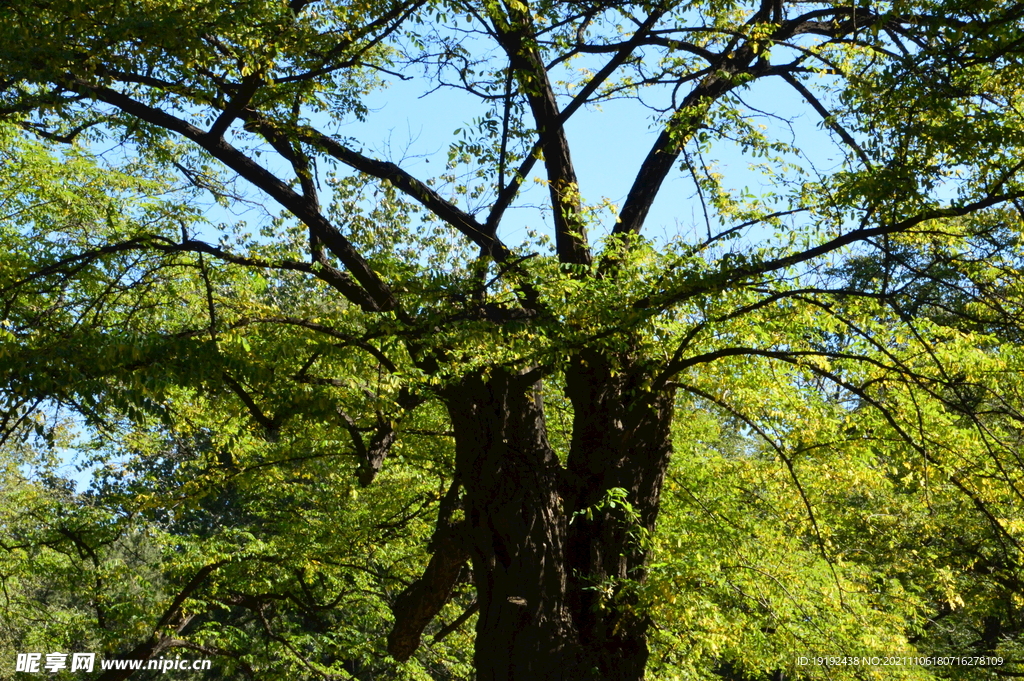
[(515, 531), (621, 441), (540, 567)]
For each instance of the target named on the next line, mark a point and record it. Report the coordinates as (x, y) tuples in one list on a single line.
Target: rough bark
[(515, 530), (535, 560), (515, 34), (419, 604), (422, 601), (621, 440)]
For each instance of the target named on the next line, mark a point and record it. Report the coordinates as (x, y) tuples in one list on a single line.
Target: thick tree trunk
[(621, 441), (539, 566), (515, 531)]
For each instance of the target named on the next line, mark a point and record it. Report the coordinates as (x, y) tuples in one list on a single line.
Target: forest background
[(684, 342)]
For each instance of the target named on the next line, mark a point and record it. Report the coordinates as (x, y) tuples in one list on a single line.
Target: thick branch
[(508, 192), (422, 601), (241, 100), (371, 457), (732, 68), (515, 36), (370, 293), (412, 187), (688, 118)]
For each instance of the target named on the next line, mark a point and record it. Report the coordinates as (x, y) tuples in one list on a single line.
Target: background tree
[(382, 308)]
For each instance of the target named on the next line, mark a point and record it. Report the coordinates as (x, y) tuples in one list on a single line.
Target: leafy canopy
[(843, 341)]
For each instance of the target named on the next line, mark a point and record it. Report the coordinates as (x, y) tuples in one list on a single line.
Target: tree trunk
[(515, 531), (621, 441), (536, 562)]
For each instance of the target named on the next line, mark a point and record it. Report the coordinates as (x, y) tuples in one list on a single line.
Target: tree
[(381, 305)]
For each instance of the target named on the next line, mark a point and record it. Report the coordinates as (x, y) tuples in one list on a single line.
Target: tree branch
[(514, 34), (827, 117), (412, 187), (508, 192), (423, 599), (370, 293), (731, 277)]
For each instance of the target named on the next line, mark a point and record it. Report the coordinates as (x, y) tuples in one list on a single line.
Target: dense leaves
[(325, 438)]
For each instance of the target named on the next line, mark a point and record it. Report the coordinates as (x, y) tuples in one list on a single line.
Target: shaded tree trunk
[(621, 441), (515, 531), (552, 584)]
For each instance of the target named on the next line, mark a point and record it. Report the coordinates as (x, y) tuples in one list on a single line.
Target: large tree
[(891, 169)]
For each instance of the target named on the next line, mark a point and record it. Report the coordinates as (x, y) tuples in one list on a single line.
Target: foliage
[(284, 427)]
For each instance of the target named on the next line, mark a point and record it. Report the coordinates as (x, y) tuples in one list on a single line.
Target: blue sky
[(608, 146)]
